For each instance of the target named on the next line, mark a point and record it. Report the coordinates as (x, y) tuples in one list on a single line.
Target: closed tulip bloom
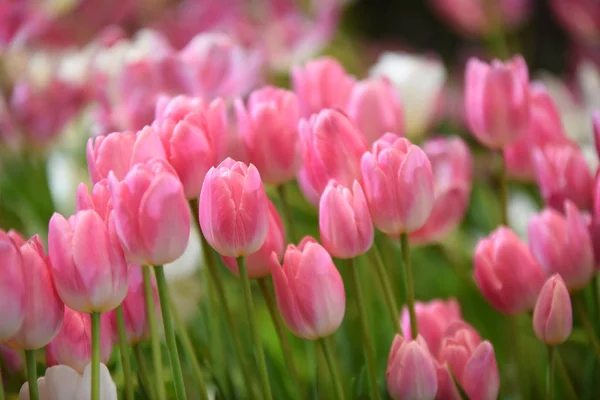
[(345, 224), (411, 373), (452, 165), (73, 344), (119, 151), (309, 290), (88, 265), (553, 314), (508, 276), (98, 200), (375, 107), (321, 83), (471, 361), (497, 101), (433, 318), (234, 213), (151, 214), (562, 245), (268, 124), (398, 184), (562, 173), (331, 149), (43, 313), (12, 287)]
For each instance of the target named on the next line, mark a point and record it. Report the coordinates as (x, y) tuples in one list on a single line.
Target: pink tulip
[(16, 237), (398, 183), (309, 290), (99, 200), (258, 262), (472, 361), (562, 245), (433, 318), (234, 213), (151, 215), (497, 101), (119, 151), (411, 373), (596, 129), (553, 314), (43, 313), (12, 286), (321, 83), (562, 174), (268, 125), (452, 166), (73, 344), (545, 128), (376, 109), (345, 224), (580, 18), (331, 149), (506, 273)]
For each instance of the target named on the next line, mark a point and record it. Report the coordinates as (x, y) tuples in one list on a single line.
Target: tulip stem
[(587, 325), (143, 375), (95, 356), (154, 338), (364, 325), (287, 212), (335, 375), (562, 370), (285, 344), (34, 393), (163, 297), (258, 350), (388, 293), (1, 386), (550, 373), (503, 183), (410, 288), (123, 348)]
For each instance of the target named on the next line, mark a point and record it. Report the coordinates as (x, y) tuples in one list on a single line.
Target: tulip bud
[(73, 344), (553, 314), (43, 314), (321, 83), (452, 166), (497, 103), (506, 273), (398, 184), (258, 263), (562, 245), (375, 108), (309, 290), (234, 213), (471, 361), (411, 373), (12, 287), (344, 221), (268, 125), (150, 213), (331, 149)]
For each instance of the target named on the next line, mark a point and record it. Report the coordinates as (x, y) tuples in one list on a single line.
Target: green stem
[(562, 370), (258, 350), (364, 325), (503, 182), (335, 375), (587, 325), (143, 373), (34, 393), (287, 213), (1, 386), (154, 338), (388, 293), (596, 299), (515, 346), (163, 297), (188, 347), (550, 373), (285, 344), (123, 348), (95, 356), (410, 288)]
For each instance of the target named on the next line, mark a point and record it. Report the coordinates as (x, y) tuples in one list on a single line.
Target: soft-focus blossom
[(452, 165), (419, 81), (553, 314), (12, 287), (398, 183), (580, 18), (258, 262), (411, 373), (151, 214), (497, 101), (268, 125), (331, 149), (562, 245), (234, 213), (506, 273), (309, 290)]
